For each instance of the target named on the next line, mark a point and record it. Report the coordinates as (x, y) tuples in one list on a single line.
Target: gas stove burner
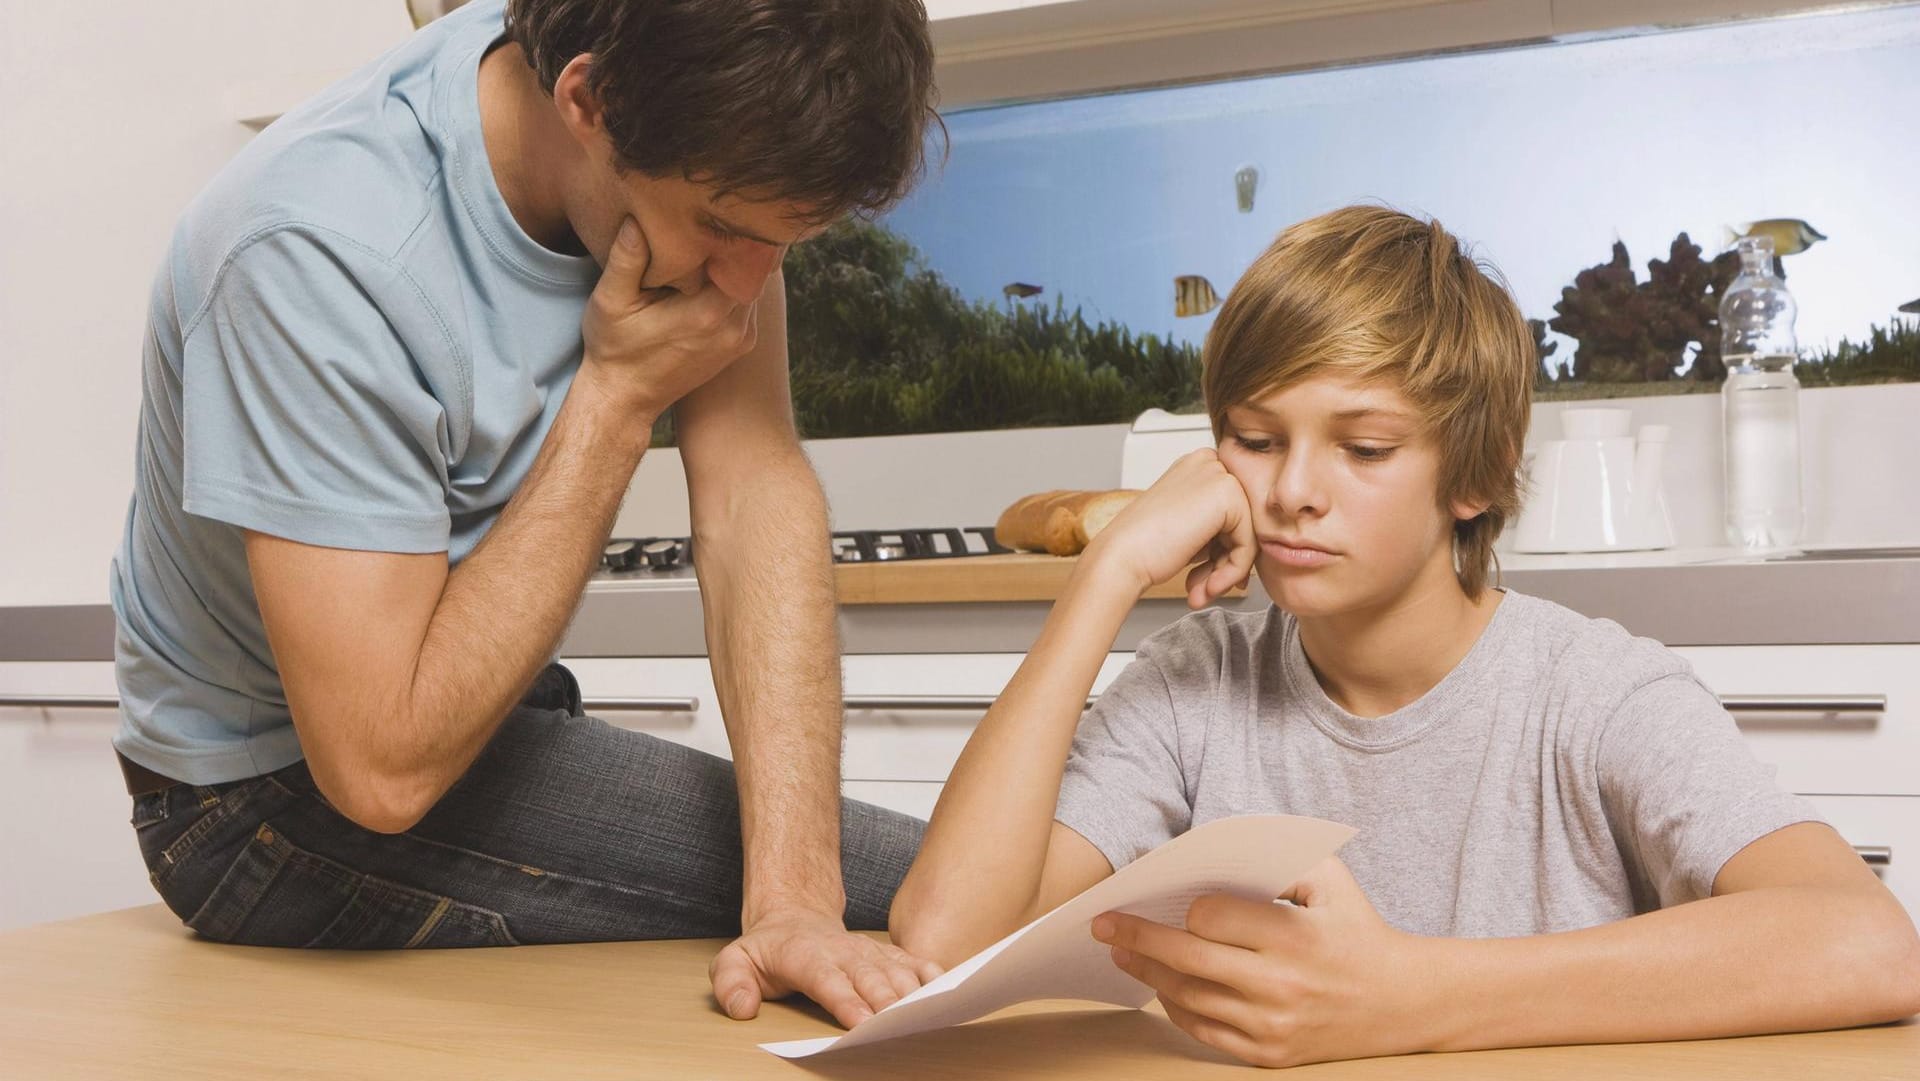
[(893, 545), (660, 554), (646, 553)]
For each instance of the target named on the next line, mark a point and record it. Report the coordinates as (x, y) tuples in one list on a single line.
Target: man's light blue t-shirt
[(351, 343)]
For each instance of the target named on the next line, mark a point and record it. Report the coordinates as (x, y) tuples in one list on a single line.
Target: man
[(403, 358)]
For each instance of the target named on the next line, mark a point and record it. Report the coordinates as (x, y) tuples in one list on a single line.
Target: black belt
[(140, 779)]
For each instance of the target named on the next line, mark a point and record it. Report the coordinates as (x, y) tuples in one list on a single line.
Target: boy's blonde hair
[(1378, 296)]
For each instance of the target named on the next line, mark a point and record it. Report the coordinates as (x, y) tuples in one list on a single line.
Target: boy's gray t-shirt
[(1564, 774)]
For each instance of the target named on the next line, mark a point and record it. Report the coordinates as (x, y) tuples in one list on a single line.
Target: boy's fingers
[(1241, 548), (1198, 574), (1176, 949), (1199, 586)]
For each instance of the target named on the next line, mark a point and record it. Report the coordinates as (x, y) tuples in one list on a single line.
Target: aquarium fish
[(1245, 183), (1193, 295), (1022, 290), (1911, 307), (1790, 236)]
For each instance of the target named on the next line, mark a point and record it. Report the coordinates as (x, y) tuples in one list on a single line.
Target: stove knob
[(662, 554), (621, 555)]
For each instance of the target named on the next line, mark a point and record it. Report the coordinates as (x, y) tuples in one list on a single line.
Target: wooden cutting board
[(1020, 576)]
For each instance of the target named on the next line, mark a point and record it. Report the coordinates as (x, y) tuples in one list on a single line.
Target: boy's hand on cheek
[(1280, 985), (1196, 512)]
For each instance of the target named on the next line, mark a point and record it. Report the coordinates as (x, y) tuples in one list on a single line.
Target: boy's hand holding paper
[(1279, 985), (1253, 857)]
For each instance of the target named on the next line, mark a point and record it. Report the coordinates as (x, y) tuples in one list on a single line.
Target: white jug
[(1597, 490)]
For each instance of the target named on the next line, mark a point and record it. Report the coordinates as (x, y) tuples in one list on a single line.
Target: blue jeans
[(566, 829)]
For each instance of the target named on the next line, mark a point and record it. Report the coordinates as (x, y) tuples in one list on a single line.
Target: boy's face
[(1343, 481)]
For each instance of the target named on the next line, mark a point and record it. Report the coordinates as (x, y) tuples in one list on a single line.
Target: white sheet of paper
[(1252, 856)]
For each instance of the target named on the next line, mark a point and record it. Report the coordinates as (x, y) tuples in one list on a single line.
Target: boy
[(1562, 837)]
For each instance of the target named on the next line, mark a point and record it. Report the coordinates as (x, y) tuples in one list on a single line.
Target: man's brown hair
[(1379, 296), (823, 103)]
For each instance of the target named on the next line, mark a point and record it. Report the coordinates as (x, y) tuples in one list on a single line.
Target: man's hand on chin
[(851, 975)]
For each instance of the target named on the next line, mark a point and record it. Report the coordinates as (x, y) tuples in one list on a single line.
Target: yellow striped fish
[(1790, 236), (1193, 295)]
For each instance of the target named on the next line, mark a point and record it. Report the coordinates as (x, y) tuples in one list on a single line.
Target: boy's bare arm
[(1798, 935), (993, 857), (992, 850)]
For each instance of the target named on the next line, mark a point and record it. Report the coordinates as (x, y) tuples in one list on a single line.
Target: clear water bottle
[(1761, 402)]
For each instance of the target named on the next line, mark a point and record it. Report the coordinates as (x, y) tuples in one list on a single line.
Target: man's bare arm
[(396, 671)]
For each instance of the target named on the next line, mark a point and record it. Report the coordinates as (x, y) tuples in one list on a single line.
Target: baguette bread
[(1059, 522)]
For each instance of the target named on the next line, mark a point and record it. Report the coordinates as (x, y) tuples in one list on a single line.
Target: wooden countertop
[(132, 994), (1019, 576)]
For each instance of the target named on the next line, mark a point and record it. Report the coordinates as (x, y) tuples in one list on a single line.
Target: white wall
[(111, 117)]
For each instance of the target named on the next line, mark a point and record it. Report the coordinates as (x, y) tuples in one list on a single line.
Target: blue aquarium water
[(1541, 156)]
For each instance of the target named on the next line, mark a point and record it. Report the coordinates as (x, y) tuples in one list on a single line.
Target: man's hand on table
[(852, 976)]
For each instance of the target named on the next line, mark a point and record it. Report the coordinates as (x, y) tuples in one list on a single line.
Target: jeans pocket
[(278, 894)]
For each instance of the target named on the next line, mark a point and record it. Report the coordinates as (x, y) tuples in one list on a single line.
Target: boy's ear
[(1467, 510)]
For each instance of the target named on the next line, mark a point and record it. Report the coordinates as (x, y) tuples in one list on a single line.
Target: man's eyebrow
[(738, 231)]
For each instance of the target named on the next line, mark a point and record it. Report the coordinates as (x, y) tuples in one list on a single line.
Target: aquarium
[(1063, 262)]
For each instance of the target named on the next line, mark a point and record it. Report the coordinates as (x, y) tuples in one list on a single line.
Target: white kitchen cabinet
[(907, 716), (1861, 749), (650, 694), (910, 715), (65, 842)]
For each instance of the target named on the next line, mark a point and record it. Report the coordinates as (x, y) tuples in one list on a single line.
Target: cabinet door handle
[(1875, 704), (947, 703), (86, 701), (61, 701), (1876, 855), (641, 705)]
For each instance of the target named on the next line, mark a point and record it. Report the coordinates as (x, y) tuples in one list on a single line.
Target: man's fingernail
[(737, 1005), (1103, 929), (1121, 956), (629, 233)]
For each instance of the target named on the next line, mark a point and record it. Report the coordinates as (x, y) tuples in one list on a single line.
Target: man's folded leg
[(566, 829)]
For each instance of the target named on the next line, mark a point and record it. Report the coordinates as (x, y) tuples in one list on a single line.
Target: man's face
[(1343, 480), (693, 237)]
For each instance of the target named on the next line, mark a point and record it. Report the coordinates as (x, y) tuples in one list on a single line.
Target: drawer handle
[(61, 701), (951, 703), (641, 705), (1804, 703), (85, 701), (1876, 855)]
